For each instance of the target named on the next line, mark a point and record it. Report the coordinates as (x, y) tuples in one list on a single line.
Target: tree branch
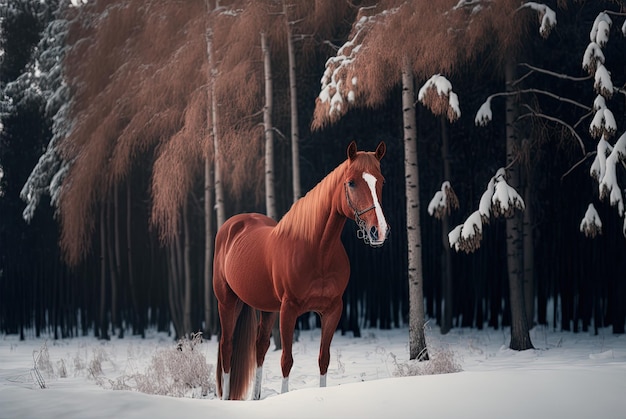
[(534, 113), (581, 161), (554, 74)]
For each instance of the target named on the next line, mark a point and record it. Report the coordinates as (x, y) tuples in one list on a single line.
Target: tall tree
[(365, 69)]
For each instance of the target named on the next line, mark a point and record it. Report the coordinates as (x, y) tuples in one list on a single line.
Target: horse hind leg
[(236, 351), (262, 345)]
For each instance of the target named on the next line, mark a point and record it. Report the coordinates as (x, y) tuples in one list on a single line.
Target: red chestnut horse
[(293, 267)]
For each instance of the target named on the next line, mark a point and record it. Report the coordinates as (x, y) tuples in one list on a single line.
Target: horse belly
[(245, 268)]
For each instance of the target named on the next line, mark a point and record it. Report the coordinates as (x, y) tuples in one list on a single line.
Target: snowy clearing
[(568, 376)]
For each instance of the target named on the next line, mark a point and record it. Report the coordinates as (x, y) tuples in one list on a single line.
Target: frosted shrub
[(181, 371), (42, 361), (442, 361)]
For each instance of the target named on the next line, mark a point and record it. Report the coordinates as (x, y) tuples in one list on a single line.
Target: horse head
[(363, 186)]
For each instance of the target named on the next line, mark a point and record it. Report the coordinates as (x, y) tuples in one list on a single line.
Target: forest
[(131, 129)]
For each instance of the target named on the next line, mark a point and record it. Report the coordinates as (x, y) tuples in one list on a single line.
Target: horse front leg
[(262, 345), (330, 319), (288, 316)]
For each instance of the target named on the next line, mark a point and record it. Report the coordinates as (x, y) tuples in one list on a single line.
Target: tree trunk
[(104, 324), (293, 100), (139, 324), (219, 187), (215, 183), (174, 287), (187, 271), (529, 259), (270, 196), (270, 202), (110, 227), (118, 257), (209, 299), (520, 337), (417, 339), (446, 263)]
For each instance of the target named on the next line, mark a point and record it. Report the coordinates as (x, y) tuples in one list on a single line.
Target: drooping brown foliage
[(440, 36), (133, 69)]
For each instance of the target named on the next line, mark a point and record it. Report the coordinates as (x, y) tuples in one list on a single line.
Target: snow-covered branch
[(437, 95), (603, 123), (547, 17), (339, 81), (591, 225), (607, 183), (444, 201), (499, 199)]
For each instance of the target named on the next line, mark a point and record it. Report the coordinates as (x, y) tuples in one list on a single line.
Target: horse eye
[(351, 183)]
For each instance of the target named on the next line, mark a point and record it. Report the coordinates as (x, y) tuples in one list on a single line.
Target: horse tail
[(243, 360)]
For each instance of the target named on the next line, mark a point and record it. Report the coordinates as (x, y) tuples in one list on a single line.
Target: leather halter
[(357, 213), (362, 232)]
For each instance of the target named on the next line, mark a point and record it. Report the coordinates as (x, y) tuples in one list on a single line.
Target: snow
[(472, 226), (547, 17), (592, 57), (484, 114), (443, 87), (568, 375), (603, 123), (454, 237), (591, 222), (603, 83), (484, 206), (602, 23), (438, 201), (604, 169), (504, 196)]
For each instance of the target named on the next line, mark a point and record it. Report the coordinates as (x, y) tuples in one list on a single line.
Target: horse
[(263, 268)]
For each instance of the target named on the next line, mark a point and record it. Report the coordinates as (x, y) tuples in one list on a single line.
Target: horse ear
[(381, 150), (352, 150)]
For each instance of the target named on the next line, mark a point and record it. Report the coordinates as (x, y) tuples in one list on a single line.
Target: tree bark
[(520, 337), (529, 258), (209, 299), (270, 195), (187, 271), (219, 187), (417, 339), (293, 100), (104, 324), (270, 202), (446, 263), (138, 322)]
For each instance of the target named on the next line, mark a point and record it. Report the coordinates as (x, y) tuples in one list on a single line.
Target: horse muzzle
[(375, 236)]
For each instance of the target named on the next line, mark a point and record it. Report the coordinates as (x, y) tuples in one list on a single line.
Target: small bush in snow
[(442, 361), (181, 371)]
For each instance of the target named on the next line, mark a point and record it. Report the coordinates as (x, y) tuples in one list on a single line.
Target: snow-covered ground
[(568, 376)]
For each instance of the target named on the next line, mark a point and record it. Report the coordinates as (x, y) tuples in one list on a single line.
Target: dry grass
[(442, 360), (181, 371)]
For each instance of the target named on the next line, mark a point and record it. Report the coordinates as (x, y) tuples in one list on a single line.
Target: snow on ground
[(568, 376)]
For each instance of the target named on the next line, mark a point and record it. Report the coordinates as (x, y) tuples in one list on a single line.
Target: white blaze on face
[(382, 223)]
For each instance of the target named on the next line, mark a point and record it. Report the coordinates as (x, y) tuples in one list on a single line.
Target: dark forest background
[(579, 282)]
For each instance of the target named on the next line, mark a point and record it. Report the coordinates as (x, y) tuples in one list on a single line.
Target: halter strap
[(362, 230), (357, 213)]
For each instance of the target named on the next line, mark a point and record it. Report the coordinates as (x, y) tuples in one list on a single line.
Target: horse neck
[(315, 218)]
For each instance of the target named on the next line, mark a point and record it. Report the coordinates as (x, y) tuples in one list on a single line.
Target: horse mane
[(307, 215)]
